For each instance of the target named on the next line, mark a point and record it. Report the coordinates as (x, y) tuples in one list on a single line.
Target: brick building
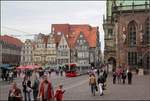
[(127, 35)]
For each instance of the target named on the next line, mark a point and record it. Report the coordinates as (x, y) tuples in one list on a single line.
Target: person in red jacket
[(59, 93), (46, 90)]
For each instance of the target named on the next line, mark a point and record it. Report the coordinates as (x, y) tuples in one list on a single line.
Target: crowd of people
[(41, 90), (119, 75), (44, 90), (101, 81)]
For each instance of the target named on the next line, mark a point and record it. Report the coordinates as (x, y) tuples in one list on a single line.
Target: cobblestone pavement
[(77, 88)]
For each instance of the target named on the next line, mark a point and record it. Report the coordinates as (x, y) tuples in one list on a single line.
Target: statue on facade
[(141, 33), (124, 35)]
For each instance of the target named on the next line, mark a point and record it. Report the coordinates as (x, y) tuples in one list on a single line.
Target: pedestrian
[(35, 87), (92, 83), (137, 70), (59, 93), (123, 76), (119, 76), (97, 72), (61, 72), (114, 78), (129, 77), (10, 77), (14, 93), (49, 72), (26, 84), (46, 90), (100, 82), (105, 75)]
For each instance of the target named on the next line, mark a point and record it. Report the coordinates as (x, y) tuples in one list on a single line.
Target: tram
[(75, 69)]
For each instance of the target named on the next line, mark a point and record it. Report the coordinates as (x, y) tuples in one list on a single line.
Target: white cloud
[(37, 16)]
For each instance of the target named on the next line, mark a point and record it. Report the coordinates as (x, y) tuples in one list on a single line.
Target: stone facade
[(81, 50), (51, 54), (129, 44), (63, 51), (40, 50), (27, 53)]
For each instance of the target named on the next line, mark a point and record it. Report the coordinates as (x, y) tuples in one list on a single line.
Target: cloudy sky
[(23, 19)]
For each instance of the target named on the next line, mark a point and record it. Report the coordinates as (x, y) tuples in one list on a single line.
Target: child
[(59, 93)]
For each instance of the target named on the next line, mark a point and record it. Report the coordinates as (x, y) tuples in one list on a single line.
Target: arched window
[(132, 33), (148, 31)]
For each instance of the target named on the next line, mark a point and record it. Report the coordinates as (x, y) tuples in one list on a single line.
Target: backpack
[(92, 80)]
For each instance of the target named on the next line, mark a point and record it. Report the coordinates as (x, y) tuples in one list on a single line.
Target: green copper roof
[(126, 4), (129, 2)]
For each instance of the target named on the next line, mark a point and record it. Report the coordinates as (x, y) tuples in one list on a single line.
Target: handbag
[(96, 88), (29, 89)]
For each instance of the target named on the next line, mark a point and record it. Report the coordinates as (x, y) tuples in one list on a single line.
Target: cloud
[(37, 16)]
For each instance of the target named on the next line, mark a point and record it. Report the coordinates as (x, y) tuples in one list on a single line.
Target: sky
[(24, 19)]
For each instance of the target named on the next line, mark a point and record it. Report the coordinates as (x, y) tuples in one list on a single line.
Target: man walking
[(46, 90), (129, 77), (100, 82)]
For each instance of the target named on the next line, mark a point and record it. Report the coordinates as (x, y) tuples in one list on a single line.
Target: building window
[(132, 58), (110, 33), (148, 30), (81, 36), (58, 33), (132, 33)]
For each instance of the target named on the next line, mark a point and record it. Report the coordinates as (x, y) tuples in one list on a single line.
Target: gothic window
[(132, 33), (132, 58), (148, 31)]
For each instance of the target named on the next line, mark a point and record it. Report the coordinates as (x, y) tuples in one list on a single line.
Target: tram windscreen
[(71, 69)]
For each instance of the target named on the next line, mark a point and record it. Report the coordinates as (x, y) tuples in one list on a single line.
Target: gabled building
[(81, 50), (91, 34), (40, 50), (63, 51), (51, 51), (27, 53)]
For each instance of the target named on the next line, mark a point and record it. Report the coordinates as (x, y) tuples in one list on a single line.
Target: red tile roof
[(11, 40), (89, 32)]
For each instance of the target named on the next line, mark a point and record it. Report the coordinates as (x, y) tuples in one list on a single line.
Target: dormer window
[(73, 33), (81, 36), (58, 33)]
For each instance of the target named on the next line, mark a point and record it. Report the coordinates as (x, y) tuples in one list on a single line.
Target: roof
[(11, 40), (89, 32)]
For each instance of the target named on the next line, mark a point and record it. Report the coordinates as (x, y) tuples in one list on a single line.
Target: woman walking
[(26, 84), (35, 87)]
